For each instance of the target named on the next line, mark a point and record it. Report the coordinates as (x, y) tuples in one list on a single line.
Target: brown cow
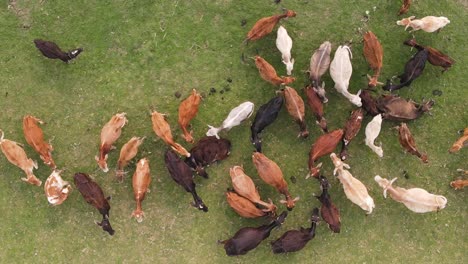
[(351, 129), (56, 189), (316, 106), (17, 156), (207, 151), (109, 134), (94, 196), (329, 212), (373, 53), (243, 206), (271, 173), (141, 182), (35, 138), (407, 142), (265, 25), (188, 109), (128, 152), (323, 145), (53, 51), (295, 106), (163, 130), (460, 143), (268, 73)]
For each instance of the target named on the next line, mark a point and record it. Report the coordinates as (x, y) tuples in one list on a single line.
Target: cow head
[(289, 202), (106, 226), (102, 163)]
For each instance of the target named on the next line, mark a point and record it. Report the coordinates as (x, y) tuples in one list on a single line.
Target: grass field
[(138, 54)]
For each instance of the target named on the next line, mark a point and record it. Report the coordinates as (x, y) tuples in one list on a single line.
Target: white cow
[(235, 117), (428, 23), (354, 189), (341, 71), (372, 132), (416, 199), (284, 45)]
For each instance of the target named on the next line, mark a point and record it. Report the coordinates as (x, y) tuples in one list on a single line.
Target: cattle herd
[(243, 197)]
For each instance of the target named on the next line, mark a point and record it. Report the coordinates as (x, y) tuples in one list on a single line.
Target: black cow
[(207, 151), (248, 238), (295, 240), (53, 51), (413, 69), (266, 115), (182, 174), (93, 195)]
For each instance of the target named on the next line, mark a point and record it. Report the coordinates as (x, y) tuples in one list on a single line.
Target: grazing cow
[(265, 116), (435, 57), (109, 134), (396, 108), (93, 195), (351, 129), (404, 7), (128, 152), (323, 145), (17, 156), (56, 189), (369, 103), (141, 181), (316, 106), (428, 23), (182, 175), (372, 132), (459, 184), (265, 25), (373, 53), (271, 173), (163, 130), (296, 109), (413, 69), (407, 142), (245, 187), (341, 70), (416, 199), (461, 142), (284, 44), (234, 118), (328, 210), (188, 109), (353, 188), (268, 73), (319, 63), (52, 50), (295, 240), (248, 238), (243, 206), (35, 138), (207, 151)]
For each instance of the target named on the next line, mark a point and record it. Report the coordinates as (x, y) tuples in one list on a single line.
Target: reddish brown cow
[(316, 106), (407, 142), (352, 127), (373, 53), (243, 206), (93, 195), (17, 156), (163, 130), (329, 212), (188, 109), (109, 134), (295, 106), (128, 152), (324, 145), (35, 138), (268, 73), (265, 25), (460, 143)]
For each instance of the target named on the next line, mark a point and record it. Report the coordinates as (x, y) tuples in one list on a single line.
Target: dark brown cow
[(351, 129), (248, 238), (52, 50), (329, 211), (413, 69), (94, 195), (182, 174), (295, 240), (265, 116), (207, 151)]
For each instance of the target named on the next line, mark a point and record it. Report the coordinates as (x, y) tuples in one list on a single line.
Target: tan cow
[(109, 134), (128, 152), (141, 181), (35, 138), (163, 130), (17, 156)]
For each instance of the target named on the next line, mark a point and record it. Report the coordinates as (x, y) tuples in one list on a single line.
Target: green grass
[(137, 54)]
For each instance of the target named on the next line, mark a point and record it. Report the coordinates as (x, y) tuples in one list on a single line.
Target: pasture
[(139, 54)]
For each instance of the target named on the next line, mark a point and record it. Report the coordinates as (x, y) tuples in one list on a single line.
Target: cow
[(373, 53), (243, 206), (53, 51), (163, 130), (295, 106), (265, 116), (56, 189), (429, 23), (265, 25), (323, 145), (328, 210), (319, 63), (181, 173), (295, 240), (413, 69), (372, 132), (109, 134), (234, 118), (17, 156), (284, 44), (140, 182), (351, 129), (35, 138), (248, 238), (128, 152), (316, 106), (268, 73), (93, 195), (188, 109), (207, 151)]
